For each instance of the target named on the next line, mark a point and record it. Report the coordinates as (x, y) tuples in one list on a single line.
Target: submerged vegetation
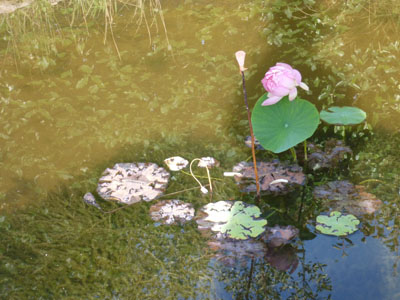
[(40, 27), (88, 84)]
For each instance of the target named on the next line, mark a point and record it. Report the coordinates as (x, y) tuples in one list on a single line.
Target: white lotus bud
[(240, 57)]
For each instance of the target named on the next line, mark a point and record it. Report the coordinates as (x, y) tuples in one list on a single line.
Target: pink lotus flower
[(280, 81)]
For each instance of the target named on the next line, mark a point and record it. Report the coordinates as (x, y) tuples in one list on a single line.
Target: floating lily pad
[(209, 162), (279, 235), (275, 177), (332, 155), (344, 196), (346, 115), (283, 125), (235, 220), (257, 144), (176, 163), (337, 224), (172, 212), (132, 182)]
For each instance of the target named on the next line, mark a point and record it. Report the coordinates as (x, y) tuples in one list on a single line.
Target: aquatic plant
[(334, 152), (235, 220), (176, 163), (275, 177), (172, 212), (337, 224), (344, 196), (282, 120), (280, 81), (285, 124), (133, 182), (345, 115), (240, 57)]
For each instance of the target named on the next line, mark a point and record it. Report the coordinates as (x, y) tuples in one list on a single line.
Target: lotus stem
[(371, 180), (202, 188), (253, 151), (293, 154), (305, 151)]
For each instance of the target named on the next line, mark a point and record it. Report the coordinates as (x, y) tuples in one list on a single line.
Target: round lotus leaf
[(235, 220), (337, 224), (283, 125), (345, 115)]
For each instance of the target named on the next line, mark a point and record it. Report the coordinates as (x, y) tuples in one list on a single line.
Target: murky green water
[(67, 116)]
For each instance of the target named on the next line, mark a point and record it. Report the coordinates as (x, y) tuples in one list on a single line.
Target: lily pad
[(209, 162), (235, 220), (346, 115), (332, 155), (176, 163), (133, 182), (337, 224), (283, 125), (275, 177), (172, 212), (346, 197)]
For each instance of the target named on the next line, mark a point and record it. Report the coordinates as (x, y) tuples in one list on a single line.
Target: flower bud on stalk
[(240, 57)]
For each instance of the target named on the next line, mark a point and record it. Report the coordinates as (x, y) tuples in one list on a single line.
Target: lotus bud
[(240, 57)]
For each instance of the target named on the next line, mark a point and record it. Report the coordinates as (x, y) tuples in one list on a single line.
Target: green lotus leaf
[(345, 115), (238, 221), (337, 224), (283, 125)]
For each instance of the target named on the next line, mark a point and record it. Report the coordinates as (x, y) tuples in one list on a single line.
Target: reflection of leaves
[(283, 259), (337, 224), (234, 252)]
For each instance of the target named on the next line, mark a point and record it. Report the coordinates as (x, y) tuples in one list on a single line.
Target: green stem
[(293, 154), (305, 150)]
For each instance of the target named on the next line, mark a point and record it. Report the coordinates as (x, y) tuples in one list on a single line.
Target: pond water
[(71, 112)]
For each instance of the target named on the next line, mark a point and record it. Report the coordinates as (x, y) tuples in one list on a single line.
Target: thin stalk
[(293, 154), (253, 151), (305, 150)]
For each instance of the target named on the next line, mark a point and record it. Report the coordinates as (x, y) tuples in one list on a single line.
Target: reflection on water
[(66, 116)]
